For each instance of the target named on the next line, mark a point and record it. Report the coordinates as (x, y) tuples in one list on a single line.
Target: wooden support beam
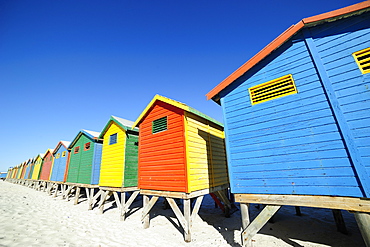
[(187, 217), (339, 221), (105, 195), (331, 202), (148, 204), (178, 214), (146, 216), (298, 211), (244, 209), (131, 200), (77, 195), (68, 191), (196, 208), (363, 222), (56, 190), (93, 198), (259, 222)]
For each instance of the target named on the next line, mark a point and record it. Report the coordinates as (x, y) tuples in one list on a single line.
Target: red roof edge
[(277, 42)]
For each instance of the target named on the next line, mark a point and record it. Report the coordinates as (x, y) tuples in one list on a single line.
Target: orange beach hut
[(181, 155)]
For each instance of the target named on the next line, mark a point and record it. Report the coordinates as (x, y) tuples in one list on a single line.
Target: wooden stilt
[(93, 198), (244, 209), (104, 195), (77, 195), (259, 222), (67, 192), (339, 221), (187, 216), (147, 205), (56, 190), (298, 211), (363, 222)]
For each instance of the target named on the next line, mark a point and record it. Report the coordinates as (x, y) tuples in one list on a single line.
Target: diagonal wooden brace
[(149, 206), (259, 222)]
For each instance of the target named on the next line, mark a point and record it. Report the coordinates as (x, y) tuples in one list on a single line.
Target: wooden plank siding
[(97, 155), (47, 163), (60, 163), (113, 158), (162, 161), (37, 167), (131, 160), (23, 172), (84, 166), (335, 44), (206, 155), (289, 145)]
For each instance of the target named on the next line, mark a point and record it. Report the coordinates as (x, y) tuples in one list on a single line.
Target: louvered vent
[(272, 89), (159, 125), (363, 60)]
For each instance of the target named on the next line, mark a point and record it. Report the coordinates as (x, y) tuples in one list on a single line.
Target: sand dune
[(33, 218)]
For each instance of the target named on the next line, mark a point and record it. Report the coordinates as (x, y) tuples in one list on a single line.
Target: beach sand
[(33, 218)]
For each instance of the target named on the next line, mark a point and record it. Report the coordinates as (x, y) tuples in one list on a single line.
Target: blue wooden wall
[(295, 144), (59, 165), (96, 163), (27, 174)]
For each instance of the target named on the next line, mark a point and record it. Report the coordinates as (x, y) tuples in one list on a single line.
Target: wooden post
[(122, 209), (298, 211), (187, 214), (77, 195), (146, 220), (56, 190), (244, 210), (363, 222), (259, 222), (339, 221)]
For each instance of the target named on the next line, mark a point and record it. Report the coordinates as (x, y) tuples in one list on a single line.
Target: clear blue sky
[(69, 65)]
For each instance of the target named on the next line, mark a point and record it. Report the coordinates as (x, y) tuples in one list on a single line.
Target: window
[(57, 156), (272, 89), (77, 149), (87, 146), (64, 153), (51, 158), (159, 125), (362, 59), (113, 139)]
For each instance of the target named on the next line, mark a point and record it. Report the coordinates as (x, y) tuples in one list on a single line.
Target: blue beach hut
[(297, 118), (61, 156)]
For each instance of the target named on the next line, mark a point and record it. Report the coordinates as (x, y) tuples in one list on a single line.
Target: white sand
[(32, 218)]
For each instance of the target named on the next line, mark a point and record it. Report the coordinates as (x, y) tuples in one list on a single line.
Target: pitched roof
[(46, 152), (93, 135), (176, 104), (123, 123), (285, 36), (60, 143)]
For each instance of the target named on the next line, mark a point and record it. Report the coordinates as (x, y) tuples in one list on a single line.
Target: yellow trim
[(356, 54), (270, 96)]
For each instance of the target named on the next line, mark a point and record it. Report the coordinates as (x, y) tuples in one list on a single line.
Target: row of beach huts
[(296, 132)]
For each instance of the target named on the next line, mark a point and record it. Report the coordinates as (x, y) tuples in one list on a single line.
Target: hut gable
[(85, 157), (61, 156), (175, 148), (47, 162), (119, 157), (37, 167), (162, 163), (313, 141)]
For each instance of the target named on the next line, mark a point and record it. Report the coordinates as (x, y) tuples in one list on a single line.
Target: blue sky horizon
[(70, 65)]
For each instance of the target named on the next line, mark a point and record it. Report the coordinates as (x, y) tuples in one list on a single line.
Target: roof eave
[(281, 39)]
